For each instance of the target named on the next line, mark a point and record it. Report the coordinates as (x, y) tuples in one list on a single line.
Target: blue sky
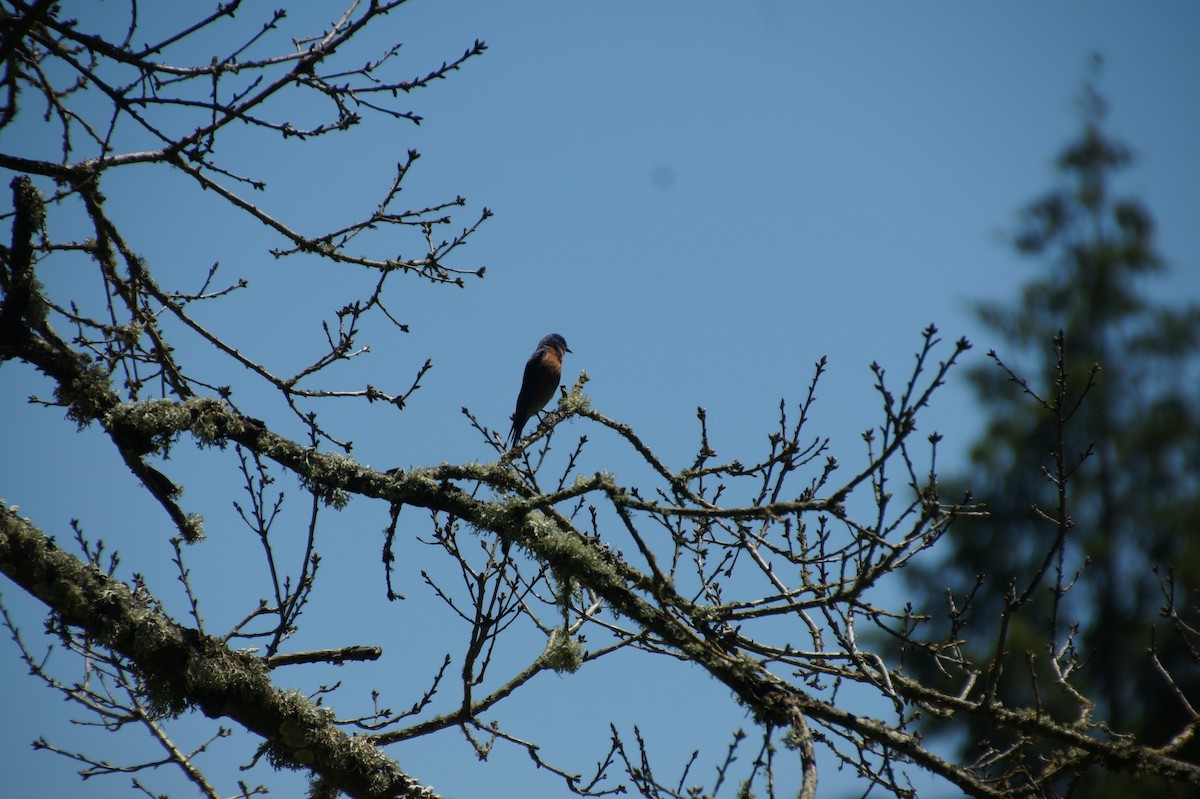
[(702, 198)]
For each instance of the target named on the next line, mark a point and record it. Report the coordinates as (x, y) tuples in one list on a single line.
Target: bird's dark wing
[(530, 385)]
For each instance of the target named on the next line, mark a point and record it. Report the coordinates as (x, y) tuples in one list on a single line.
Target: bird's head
[(557, 342)]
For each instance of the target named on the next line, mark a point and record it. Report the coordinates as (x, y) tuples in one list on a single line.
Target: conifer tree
[(1124, 559)]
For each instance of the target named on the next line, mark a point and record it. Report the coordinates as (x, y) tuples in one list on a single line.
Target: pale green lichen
[(576, 402), (421, 480), (793, 740), (212, 423), (568, 550), (193, 528), (86, 395), (564, 654), (151, 426), (326, 474)]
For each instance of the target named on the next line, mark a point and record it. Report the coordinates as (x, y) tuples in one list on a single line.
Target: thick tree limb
[(184, 669)]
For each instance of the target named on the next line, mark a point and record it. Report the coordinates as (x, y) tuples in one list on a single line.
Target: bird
[(543, 372)]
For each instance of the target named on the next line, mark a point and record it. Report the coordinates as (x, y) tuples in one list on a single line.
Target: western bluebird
[(542, 375)]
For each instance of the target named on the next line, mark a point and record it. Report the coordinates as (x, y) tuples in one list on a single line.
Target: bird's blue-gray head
[(556, 341)]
